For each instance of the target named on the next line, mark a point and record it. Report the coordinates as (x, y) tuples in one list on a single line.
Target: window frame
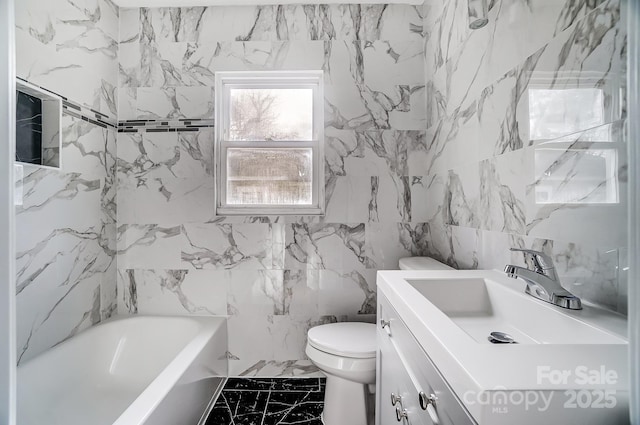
[(227, 80)]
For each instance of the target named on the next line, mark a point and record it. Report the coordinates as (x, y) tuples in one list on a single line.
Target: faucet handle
[(541, 261)]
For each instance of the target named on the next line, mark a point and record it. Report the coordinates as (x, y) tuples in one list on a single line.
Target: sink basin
[(451, 314), (480, 306)]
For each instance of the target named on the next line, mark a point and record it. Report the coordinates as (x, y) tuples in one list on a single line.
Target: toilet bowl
[(346, 353)]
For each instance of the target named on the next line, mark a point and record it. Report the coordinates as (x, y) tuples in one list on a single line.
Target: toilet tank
[(421, 263)]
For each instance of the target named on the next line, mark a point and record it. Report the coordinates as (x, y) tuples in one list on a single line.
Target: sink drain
[(501, 338)]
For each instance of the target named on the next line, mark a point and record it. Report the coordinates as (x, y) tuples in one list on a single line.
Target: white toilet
[(421, 263), (346, 353)]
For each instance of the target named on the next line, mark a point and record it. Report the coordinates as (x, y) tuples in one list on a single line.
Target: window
[(269, 135), (576, 156)]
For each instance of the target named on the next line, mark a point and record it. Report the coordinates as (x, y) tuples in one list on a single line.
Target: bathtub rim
[(140, 408), (144, 405)]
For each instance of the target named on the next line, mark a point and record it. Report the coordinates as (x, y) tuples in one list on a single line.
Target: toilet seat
[(348, 339)]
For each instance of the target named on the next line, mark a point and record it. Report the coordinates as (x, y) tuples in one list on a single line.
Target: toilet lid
[(357, 340)]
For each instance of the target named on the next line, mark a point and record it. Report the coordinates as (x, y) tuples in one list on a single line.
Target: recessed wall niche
[(38, 135)]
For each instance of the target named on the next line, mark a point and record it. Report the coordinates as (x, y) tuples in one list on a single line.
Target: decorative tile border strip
[(80, 111), (163, 126), (94, 117)]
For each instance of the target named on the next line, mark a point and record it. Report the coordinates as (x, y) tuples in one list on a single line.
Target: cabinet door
[(421, 371), (395, 385)]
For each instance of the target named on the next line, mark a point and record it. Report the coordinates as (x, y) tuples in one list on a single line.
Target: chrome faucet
[(542, 280)]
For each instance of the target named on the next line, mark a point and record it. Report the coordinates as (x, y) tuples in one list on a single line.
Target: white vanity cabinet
[(397, 399), (409, 388), (432, 333)]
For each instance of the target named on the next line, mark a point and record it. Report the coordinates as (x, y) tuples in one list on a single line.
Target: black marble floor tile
[(294, 407), (221, 413), (275, 384), (248, 384), (296, 397), (304, 413), (297, 384), (273, 401), (239, 408), (217, 417)]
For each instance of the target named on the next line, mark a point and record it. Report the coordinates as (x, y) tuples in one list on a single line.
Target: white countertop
[(470, 365)]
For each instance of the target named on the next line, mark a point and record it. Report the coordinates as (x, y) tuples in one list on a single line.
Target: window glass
[(269, 176), (271, 114)]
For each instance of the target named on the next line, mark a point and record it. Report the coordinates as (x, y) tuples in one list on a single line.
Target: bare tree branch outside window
[(271, 114)]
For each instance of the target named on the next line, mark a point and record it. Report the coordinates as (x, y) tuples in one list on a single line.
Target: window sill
[(258, 211)]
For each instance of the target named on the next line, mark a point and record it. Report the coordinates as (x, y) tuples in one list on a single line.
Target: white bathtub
[(127, 371)]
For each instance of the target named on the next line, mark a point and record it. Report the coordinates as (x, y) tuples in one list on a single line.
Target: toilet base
[(345, 402)]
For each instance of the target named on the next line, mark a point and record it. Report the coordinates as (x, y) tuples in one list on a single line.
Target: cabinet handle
[(428, 403), (386, 325), (401, 414), (395, 399)]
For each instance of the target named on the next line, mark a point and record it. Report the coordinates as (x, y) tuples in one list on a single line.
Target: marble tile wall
[(70, 48), (526, 140), (65, 240), (274, 276), (66, 225), (431, 149)]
